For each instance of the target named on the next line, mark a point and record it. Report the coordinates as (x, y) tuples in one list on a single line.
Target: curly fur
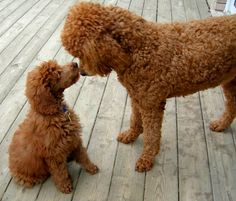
[(154, 62), (48, 137)]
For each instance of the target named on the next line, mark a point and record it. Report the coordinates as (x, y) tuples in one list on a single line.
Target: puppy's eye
[(118, 39)]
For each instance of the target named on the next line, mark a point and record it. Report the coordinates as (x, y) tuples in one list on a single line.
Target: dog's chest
[(69, 125), (65, 127), (62, 137)]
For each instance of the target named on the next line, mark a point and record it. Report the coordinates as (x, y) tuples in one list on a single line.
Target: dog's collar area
[(65, 110)]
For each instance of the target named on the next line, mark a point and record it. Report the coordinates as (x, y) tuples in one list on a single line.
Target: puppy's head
[(46, 83), (86, 36)]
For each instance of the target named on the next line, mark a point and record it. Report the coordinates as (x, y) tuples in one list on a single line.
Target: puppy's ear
[(39, 94), (104, 54)]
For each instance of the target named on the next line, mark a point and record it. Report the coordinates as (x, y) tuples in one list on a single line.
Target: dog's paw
[(127, 137), (218, 126), (92, 169), (144, 164), (66, 187)]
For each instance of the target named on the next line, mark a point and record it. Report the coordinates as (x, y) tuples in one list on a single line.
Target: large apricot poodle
[(154, 62), (50, 134)]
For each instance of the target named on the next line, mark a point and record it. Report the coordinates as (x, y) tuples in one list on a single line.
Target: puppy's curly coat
[(154, 62), (50, 134)]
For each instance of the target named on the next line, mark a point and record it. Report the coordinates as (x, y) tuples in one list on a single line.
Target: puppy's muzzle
[(74, 65)]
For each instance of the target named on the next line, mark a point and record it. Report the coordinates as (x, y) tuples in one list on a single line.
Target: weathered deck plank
[(127, 184), (191, 10), (194, 174), (164, 13), (102, 145), (203, 8), (4, 4), (20, 25), (9, 9), (221, 149), (193, 164), (178, 11), (8, 18), (10, 52)]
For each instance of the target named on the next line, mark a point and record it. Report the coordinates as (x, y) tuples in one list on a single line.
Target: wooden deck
[(194, 164)]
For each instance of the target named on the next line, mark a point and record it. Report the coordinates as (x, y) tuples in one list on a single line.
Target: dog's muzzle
[(83, 73)]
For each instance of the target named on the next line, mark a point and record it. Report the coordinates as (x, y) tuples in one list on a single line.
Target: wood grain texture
[(193, 164), (221, 148)]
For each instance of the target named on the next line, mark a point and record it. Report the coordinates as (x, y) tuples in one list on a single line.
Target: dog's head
[(101, 55), (86, 36), (46, 83)]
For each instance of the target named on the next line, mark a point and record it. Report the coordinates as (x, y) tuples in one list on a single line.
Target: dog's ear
[(39, 94), (95, 58), (44, 101), (104, 54)]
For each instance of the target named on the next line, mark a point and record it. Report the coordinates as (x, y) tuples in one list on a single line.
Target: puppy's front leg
[(60, 174), (135, 129), (81, 157), (152, 122)]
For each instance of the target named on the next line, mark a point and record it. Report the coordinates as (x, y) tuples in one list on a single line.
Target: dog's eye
[(119, 39)]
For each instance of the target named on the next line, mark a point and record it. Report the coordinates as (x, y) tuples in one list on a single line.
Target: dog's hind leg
[(29, 181), (230, 108), (135, 129), (27, 170)]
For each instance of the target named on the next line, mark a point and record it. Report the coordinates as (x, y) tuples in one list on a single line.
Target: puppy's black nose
[(74, 65)]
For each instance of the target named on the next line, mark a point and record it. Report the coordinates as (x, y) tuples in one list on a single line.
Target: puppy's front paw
[(218, 125), (66, 187), (127, 137), (92, 169), (144, 164)]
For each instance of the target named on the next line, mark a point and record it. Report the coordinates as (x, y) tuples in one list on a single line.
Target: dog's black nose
[(83, 73), (74, 65)]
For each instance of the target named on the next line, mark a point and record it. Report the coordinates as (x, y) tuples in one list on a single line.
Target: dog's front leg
[(136, 127), (58, 169), (152, 122)]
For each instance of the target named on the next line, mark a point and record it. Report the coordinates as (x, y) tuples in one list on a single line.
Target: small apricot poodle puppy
[(50, 134), (154, 62)]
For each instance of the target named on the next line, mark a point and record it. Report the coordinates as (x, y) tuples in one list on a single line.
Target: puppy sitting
[(50, 134)]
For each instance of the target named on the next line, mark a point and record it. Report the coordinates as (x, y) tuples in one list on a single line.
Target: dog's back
[(202, 53)]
